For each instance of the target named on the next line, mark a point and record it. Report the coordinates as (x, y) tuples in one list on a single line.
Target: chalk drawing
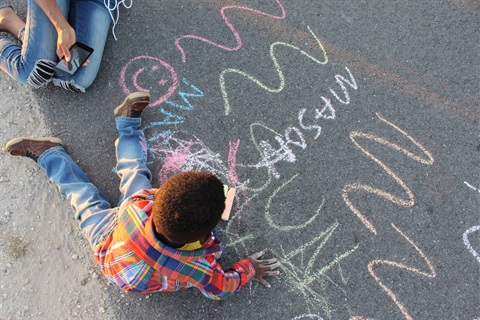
[(376, 263), (270, 155), (341, 80), (327, 112), (233, 179), (172, 116), (238, 39), (149, 68), (293, 136), (237, 241), (471, 187), (468, 244), (181, 151), (471, 230), (308, 316), (301, 277), (406, 202), (281, 86), (272, 222)]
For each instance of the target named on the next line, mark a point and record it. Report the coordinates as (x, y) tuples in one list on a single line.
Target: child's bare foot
[(10, 22)]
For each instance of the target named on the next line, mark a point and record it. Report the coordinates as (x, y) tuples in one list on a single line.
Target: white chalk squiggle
[(473, 229), (467, 242)]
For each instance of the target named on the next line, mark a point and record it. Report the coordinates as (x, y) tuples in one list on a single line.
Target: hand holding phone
[(79, 54)]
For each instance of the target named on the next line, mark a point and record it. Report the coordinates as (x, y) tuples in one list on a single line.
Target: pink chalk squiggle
[(232, 28)]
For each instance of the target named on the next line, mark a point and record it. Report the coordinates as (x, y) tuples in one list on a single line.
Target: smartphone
[(79, 54)]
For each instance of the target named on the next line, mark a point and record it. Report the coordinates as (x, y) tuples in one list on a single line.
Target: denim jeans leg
[(131, 157), (91, 21), (32, 63), (97, 217)]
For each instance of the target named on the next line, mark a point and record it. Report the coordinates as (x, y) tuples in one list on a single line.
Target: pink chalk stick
[(228, 204)]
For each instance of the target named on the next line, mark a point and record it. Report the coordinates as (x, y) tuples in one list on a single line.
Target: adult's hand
[(66, 38), (65, 33)]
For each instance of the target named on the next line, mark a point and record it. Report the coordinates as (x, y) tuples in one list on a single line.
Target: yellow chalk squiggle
[(277, 67)]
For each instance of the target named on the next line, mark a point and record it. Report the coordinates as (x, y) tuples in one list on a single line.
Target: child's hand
[(264, 267)]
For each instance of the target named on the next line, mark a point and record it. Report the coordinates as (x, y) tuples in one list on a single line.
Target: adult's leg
[(91, 21), (131, 157), (33, 62), (9, 21), (92, 208)]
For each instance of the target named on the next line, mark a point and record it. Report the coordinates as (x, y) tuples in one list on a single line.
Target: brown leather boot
[(133, 105), (31, 147)]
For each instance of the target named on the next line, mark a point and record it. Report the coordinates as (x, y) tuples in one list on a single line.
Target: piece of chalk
[(228, 204)]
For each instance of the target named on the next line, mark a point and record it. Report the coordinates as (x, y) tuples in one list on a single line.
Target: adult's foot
[(10, 22)]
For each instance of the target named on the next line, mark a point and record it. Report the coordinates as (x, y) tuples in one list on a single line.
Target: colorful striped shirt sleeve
[(223, 284)]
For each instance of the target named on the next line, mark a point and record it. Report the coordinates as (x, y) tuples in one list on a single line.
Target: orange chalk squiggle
[(430, 274), (409, 201)]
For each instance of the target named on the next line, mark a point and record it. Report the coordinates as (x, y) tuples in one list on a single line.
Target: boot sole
[(19, 139), (131, 96)]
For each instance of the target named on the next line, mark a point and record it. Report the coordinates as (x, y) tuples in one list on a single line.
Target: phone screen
[(79, 54)]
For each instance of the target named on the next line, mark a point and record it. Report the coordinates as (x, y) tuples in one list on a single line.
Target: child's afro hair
[(188, 206)]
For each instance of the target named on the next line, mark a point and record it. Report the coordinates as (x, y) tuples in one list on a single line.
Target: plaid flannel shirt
[(133, 258)]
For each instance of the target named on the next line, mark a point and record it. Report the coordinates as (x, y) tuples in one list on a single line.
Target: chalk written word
[(270, 155), (377, 263), (238, 39), (406, 202), (172, 114), (294, 136)]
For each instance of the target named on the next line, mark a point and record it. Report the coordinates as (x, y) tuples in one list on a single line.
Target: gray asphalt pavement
[(351, 130)]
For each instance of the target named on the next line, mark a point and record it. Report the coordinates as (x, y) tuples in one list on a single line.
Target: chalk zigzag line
[(277, 67), (410, 200), (238, 39), (430, 274)]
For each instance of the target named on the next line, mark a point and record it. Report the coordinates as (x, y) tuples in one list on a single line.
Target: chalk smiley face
[(149, 74)]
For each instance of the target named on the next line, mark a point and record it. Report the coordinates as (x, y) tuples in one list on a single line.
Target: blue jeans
[(92, 208), (32, 63)]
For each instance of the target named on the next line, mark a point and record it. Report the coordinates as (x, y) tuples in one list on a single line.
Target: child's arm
[(222, 284)]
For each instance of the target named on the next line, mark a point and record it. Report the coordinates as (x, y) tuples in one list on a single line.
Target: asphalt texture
[(350, 129)]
